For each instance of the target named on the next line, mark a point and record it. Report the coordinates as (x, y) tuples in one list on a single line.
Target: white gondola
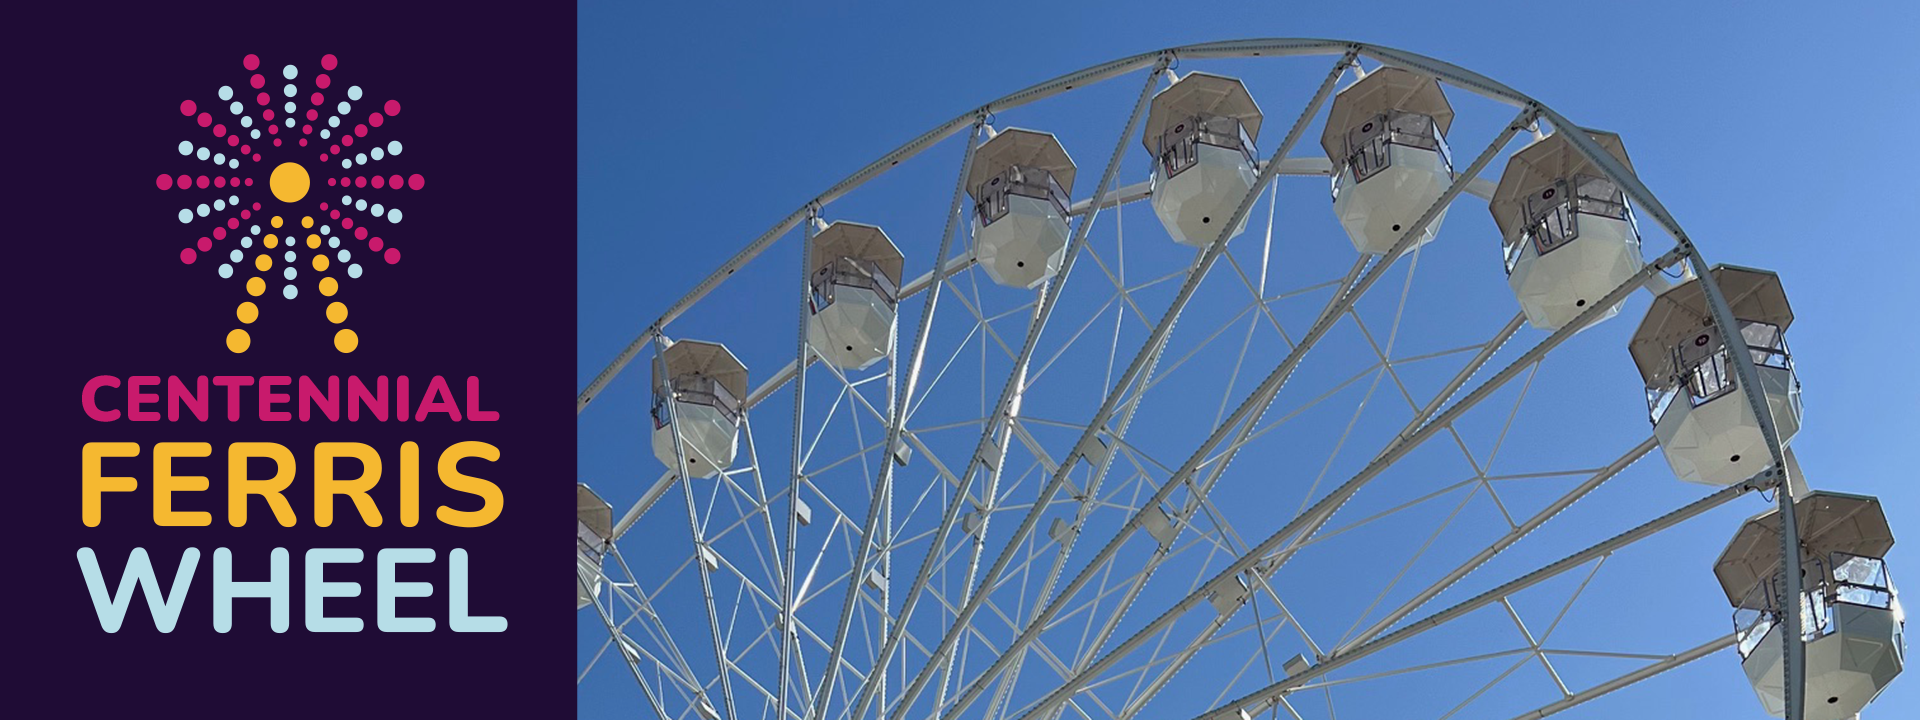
[(595, 518), (1386, 138), (1850, 614), (1021, 183), (1201, 132), (856, 283), (1705, 425), (1566, 231), (705, 383)]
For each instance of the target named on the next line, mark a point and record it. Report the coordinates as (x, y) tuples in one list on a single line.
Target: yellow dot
[(313, 241), (329, 286), (263, 262), (306, 222), (337, 312), (345, 340), (289, 182), (271, 240), (238, 340), (276, 221), (248, 312), (320, 263), (255, 286)]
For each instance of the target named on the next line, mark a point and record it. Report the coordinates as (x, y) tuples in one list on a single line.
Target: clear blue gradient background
[(1780, 135)]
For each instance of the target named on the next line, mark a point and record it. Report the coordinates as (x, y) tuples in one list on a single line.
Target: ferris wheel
[(1157, 432)]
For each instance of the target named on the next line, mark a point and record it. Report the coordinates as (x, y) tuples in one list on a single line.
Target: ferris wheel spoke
[(1661, 665)]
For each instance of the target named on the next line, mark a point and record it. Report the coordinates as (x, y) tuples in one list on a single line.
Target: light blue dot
[(393, 216), (226, 271), (362, 205), (348, 163), (290, 273), (353, 93), (290, 256), (254, 230), (233, 164), (344, 107), (289, 120), (246, 122), (290, 72), (360, 159), (236, 108), (335, 242), (233, 200), (186, 216), (219, 205), (256, 133), (226, 92), (377, 210), (333, 121), (324, 229), (353, 271), (246, 242), (378, 153), (325, 133), (346, 199), (289, 291), (236, 255), (289, 107), (220, 158), (186, 148), (290, 90), (393, 148), (345, 254), (202, 153), (202, 210)]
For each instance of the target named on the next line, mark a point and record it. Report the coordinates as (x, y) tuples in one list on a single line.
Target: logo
[(255, 192)]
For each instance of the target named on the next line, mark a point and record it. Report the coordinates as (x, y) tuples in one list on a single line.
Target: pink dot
[(251, 61), (323, 81), (184, 181), (395, 182), (312, 114), (205, 120), (323, 206), (204, 245), (335, 215), (256, 206), (187, 255), (259, 81), (234, 223), (318, 98), (219, 131), (416, 181), (262, 98), (323, 158), (335, 150), (393, 256), (164, 182), (303, 142), (346, 140), (256, 158), (233, 181), (379, 182), (201, 182), (360, 182), (306, 130), (348, 223), (375, 244), (375, 119), (329, 62), (393, 107), (267, 115), (276, 142), (274, 130), (220, 182), (246, 149), (219, 233), (361, 234), (360, 130), (233, 140), (247, 213), (187, 108)]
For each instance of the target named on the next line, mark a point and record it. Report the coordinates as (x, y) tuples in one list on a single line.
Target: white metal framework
[(1024, 510)]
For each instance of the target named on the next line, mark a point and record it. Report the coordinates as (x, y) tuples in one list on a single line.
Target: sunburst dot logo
[(308, 244)]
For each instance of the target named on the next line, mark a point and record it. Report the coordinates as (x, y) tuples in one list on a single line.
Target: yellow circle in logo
[(247, 312), (255, 286), (320, 263), (337, 312), (263, 262), (306, 222), (238, 341), (313, 241), (329, 286), (345, 340), (289, 182)]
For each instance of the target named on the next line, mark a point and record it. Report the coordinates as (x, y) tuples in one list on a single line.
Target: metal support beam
[(1664, 664)]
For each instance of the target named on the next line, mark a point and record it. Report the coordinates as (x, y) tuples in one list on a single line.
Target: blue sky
[(1773, 136)]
